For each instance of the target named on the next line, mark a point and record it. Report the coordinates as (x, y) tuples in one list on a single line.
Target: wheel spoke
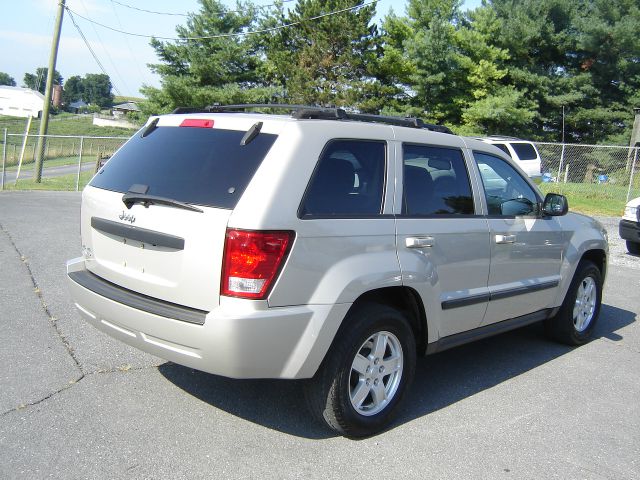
[(380, 345), (379, 393), (391, 364), (359, 393), (360, 364)]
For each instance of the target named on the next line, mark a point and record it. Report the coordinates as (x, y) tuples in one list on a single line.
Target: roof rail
[(502, 137), (323, 113)]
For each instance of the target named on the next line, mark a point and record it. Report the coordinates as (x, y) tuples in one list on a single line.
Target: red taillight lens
[(252, 261), (197, 123)]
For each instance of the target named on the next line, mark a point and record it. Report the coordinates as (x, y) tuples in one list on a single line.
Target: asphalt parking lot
[(76, 404)]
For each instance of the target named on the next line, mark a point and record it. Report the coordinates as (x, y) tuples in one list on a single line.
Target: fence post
[(561, 162), (633, 168), (4, 157), (24, 146), (79, 164)]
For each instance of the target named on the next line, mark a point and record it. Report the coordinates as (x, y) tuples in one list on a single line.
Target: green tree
[(73, 89), (96, 88), (38, 81), (6, 79), (222, 67), (325, 60), (582, 55)]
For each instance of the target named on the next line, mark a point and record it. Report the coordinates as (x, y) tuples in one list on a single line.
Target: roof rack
[(324, 113), (502, 137)]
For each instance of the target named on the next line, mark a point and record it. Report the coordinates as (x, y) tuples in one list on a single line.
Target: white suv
[(523, 152), (327, 246), (629, 227)]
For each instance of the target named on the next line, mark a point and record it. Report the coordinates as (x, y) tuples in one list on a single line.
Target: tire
[(577, 317), (633, 247), (357, 389)]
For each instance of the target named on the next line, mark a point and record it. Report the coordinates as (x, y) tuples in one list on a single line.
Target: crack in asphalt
[(44, 306), (120, 369), (52, 321)]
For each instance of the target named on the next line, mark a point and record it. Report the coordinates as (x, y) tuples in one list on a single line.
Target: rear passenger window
[(348, 180), (525, 151), (503, 148), (436, 182)]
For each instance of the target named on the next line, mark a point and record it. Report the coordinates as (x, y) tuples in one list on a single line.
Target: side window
[(502, 147), (348, 180), (436, 181), (507, 193)]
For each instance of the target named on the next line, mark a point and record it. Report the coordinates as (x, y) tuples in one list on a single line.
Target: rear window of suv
[(525, 151), (202, 166)]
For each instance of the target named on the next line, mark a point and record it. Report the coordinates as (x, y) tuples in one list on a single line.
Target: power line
[(104, 49), (186, 14), (126, 40), (150, 11), (86, 42), (227, 35)]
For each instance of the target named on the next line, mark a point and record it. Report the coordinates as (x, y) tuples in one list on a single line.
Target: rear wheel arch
[(403, 299)]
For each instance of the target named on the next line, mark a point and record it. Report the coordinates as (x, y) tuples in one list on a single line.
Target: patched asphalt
[(75, 403)]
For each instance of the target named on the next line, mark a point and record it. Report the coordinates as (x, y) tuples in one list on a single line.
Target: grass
[(61, 124), (63, 183), (591, 198), (53, 162)]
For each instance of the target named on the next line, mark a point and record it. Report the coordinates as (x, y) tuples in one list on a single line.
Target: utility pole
[(44, 121)]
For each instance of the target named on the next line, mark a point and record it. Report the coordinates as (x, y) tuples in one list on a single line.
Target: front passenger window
[(506, 192)]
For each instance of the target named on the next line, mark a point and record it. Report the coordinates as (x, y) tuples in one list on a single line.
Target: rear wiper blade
[(130, 198)]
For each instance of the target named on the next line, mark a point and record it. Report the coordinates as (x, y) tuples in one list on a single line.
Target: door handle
[(505, 238), (419, 242)]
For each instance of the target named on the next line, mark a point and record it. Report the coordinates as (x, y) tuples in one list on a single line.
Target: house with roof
[(122, 109), (20, 102), (78, 106)]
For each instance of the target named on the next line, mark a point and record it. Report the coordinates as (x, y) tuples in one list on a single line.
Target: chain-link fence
[(605, 174), (598, 172), (68, 163)]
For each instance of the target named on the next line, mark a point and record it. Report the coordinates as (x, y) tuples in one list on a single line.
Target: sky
[(26, 32)]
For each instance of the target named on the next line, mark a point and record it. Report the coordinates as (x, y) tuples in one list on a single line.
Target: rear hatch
[(154, 217)]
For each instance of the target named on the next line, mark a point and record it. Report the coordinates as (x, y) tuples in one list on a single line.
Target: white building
[(20, 102)]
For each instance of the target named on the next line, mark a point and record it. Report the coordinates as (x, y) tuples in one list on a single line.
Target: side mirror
[(555, 205)]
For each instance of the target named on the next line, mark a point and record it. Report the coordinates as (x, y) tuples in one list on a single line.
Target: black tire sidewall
[(564, 320), (363, 323)]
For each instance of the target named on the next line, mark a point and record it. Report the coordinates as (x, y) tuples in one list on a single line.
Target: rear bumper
[(238, 339), (629, 230)]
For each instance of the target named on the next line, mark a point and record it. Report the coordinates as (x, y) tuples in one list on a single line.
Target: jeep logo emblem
[(127, 217)]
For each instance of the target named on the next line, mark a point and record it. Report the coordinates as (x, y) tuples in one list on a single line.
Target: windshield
[(202, 166)]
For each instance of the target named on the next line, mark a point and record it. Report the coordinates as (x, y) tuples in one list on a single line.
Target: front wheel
[(365, 373), (633, 247), (576, 319)]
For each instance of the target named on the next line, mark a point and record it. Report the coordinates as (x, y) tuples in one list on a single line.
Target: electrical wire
[(226, 35), (143, 77), (186, 14), (150, 11), (86, 42), (106, 52)]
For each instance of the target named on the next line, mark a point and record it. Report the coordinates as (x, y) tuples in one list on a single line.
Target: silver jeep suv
[(327, 246)]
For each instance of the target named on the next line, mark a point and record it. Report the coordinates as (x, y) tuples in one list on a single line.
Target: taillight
[(197, 123), (252, 261)]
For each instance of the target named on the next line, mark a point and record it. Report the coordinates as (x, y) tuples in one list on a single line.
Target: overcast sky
[(26, 30)]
